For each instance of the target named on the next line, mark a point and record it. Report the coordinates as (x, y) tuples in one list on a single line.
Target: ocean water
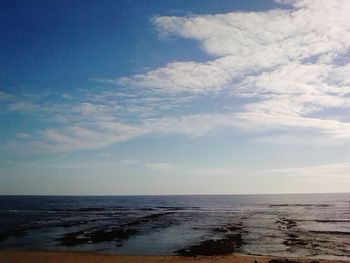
[(298, 225)]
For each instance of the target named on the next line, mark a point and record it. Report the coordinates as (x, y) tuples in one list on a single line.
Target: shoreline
[(289, 227), (18, 256)]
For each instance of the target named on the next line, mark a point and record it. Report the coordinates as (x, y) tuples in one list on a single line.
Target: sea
[(313, 226)]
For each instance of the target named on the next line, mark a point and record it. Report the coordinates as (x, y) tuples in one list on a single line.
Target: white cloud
[(23, 135), (3, 95), (249, 41), (101, 134), (217, 171), (182, 76), (82, 138), (298, 138), (24, 106), (335, 172), (284, 58), (282, 64), (130, 162)]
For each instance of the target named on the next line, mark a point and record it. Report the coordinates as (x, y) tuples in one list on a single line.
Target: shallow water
[(305, 225)]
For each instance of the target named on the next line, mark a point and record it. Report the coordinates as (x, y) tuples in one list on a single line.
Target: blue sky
[(174, 97)]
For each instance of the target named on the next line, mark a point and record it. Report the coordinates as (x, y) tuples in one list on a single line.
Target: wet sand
[(77, 257)]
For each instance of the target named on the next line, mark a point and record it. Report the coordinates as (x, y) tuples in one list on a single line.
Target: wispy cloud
[(23, 135), (102, 134), (161, 167), (24, 106), (217, 171), (3, 95), (326, 172), (286, 66), (286, 59)]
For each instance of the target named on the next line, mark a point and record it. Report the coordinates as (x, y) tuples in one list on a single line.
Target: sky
[(174, 97)]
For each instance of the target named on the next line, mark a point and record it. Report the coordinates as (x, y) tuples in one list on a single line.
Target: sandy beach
[(77, 257)]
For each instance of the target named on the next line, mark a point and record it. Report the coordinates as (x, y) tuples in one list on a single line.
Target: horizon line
[(135, 195)]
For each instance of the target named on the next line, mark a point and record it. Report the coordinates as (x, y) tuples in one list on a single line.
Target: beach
[(77, 257)]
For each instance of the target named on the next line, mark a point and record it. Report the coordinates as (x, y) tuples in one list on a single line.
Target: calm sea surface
[(305, 225)]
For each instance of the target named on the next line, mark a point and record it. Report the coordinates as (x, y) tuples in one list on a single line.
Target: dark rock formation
[(208, 248), (228, 228), (110, 235), (331, 232), (212, 247), (286, 223), (13, 232), (236, 238), (293, 240), (73, 239), (148, 218), (77, 238)]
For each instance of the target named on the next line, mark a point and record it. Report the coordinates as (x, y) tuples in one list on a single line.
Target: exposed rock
[(208, 248), (293, 239), (221, 230), (23, 229), (236, 238), (332, 220), (226, 229), (13, 232), (331, 232), (148, 218), (77, 238), (286, 223), (109, 235), (292, 235), (234, 228), (72, 223), (213, 247), (73, 239)]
